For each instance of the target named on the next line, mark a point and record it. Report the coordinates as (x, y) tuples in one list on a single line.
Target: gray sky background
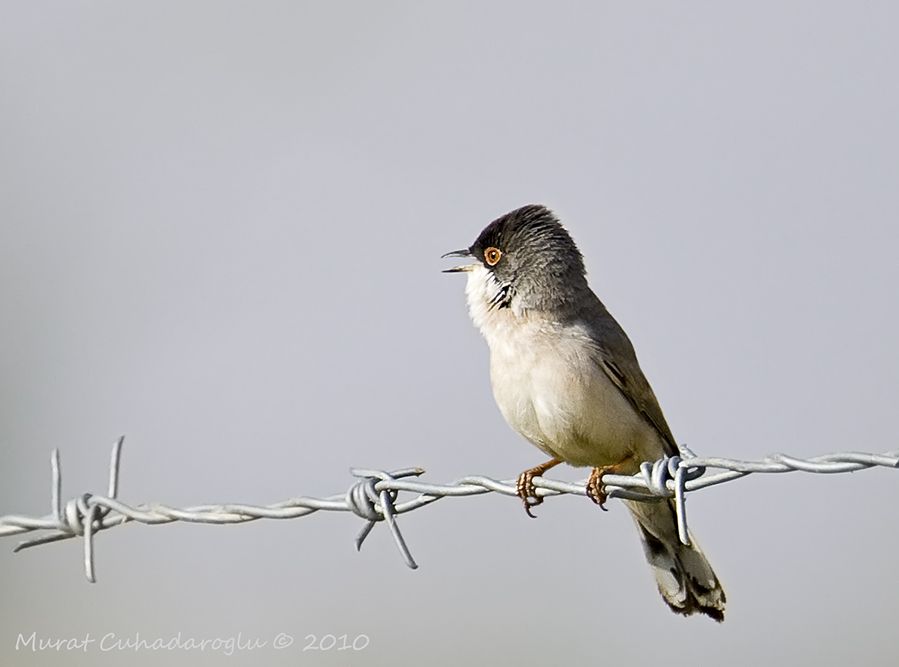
[(220, 231)]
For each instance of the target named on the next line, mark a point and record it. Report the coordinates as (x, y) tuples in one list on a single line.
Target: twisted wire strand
[(374, 496)]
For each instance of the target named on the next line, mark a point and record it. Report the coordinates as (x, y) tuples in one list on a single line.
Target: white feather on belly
[(548, 387)]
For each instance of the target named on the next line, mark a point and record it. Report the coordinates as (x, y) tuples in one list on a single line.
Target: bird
[(565, 376)]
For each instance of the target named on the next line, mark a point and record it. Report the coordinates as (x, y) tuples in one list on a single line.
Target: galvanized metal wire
[(374, 496)]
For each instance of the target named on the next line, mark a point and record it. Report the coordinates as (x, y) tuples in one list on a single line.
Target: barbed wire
[(374, 496)]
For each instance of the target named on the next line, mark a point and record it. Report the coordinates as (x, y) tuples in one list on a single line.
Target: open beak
[(459, 253)]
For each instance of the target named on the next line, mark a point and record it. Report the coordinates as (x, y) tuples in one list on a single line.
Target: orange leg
[(596, 491), (525, 486)]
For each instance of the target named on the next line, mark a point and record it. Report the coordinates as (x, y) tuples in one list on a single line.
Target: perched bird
[(565, 376)]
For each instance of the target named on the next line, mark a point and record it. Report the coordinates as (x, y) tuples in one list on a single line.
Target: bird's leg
[(596, 490), (525, 486)]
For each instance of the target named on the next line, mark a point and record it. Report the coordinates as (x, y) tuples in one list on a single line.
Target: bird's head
[(523, 261)]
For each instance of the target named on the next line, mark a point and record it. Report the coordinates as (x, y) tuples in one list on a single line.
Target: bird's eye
[(492, 255)]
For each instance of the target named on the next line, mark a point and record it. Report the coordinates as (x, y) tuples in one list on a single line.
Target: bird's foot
[(525, 485), (596, 489)]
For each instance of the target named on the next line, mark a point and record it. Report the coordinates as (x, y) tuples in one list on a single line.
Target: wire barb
[(363, 498), (80, 516), (374, 496)]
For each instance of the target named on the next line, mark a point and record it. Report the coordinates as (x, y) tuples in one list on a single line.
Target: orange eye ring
[(492, 256)]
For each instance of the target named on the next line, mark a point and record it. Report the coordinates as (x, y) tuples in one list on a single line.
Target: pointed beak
[(459, 253)]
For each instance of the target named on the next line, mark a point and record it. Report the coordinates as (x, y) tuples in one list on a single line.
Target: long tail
[(685, 579)]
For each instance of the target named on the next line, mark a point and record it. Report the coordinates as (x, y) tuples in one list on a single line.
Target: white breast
[(547, 385)]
